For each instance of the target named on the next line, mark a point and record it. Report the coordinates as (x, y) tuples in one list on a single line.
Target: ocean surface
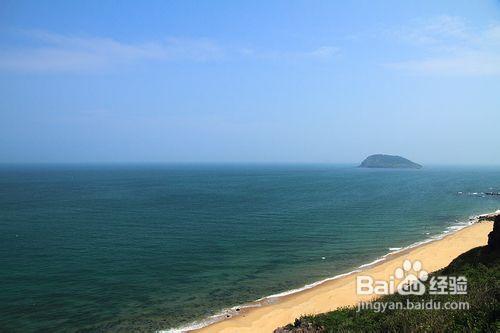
[(148, 247)]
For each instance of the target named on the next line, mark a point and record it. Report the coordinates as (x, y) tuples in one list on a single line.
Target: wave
[(223, 314), (233, 311), (376, 261)]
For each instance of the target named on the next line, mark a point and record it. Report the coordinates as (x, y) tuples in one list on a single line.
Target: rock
[(494, 236)]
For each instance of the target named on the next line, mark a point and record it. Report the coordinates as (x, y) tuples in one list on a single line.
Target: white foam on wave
[(210, 320), (373, 262), (307, 286), (257, 303)]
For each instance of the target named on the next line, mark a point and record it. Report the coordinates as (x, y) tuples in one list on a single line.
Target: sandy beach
[(342, 291)]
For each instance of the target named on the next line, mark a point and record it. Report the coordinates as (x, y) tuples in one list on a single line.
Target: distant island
[(388, 161)]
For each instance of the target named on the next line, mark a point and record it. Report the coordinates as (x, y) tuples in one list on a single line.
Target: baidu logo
[(409, 279)]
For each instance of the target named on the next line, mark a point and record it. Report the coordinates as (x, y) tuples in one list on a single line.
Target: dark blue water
[(140, 248)]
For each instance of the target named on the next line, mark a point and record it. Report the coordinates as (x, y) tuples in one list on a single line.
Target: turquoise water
[(139, 248)]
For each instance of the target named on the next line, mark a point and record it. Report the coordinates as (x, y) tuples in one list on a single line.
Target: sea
[(152, 247)]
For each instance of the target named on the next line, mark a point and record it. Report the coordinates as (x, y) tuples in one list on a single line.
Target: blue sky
[(256, 81)]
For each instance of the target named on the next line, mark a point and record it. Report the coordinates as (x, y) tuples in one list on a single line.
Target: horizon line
[(424, 164)]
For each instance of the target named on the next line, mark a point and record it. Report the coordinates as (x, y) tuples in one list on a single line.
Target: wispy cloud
[(49, 52), (469, 64), (436, 31), (325, 52), (54, 52), (451, 47)]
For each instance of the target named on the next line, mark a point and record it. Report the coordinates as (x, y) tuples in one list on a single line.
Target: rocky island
[(388, 161)]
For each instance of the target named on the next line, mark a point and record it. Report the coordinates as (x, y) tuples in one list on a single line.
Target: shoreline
[(270, 312)]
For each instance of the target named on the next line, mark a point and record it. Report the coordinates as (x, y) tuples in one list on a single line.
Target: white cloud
[(319, 53), (437, 30), (323, 52), (452, 47), (55, 52), (472, 64)]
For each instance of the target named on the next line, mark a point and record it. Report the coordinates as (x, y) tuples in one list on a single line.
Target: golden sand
[(342, 291)]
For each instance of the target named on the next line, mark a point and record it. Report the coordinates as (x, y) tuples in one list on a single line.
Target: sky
[(249, 81)]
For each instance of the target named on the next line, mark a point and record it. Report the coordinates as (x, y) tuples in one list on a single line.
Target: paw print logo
[(411, 277)]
